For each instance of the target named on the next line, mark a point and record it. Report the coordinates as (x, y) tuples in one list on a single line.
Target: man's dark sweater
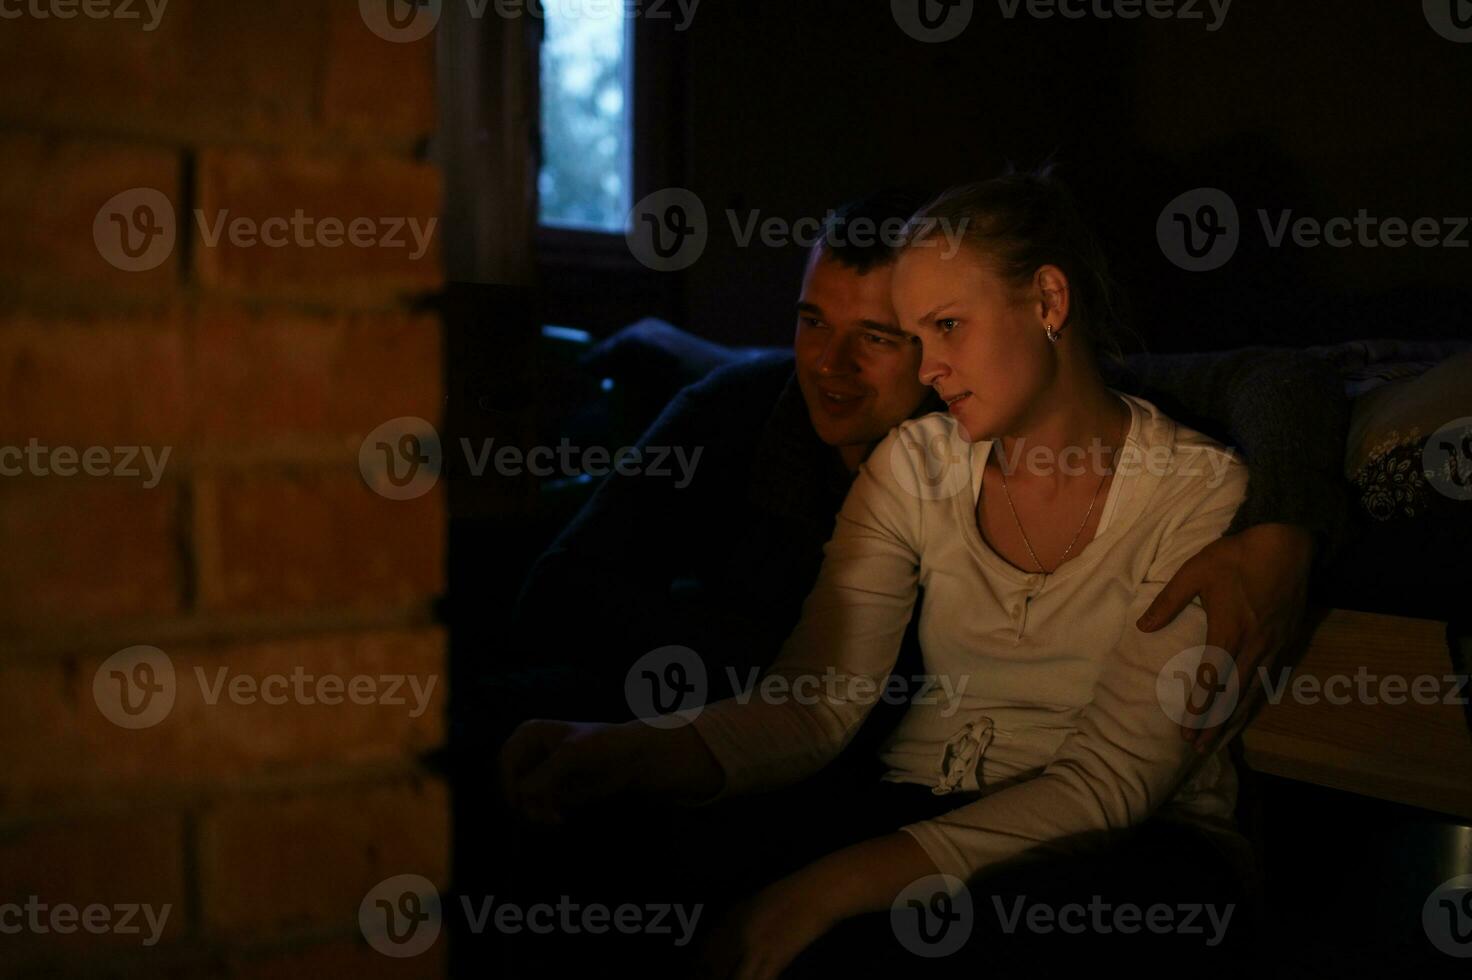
[(723, 565)]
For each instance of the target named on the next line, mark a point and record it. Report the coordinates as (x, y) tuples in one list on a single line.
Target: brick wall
[(180, 436)]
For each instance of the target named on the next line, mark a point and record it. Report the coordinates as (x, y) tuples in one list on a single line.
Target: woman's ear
[(1053, 299)]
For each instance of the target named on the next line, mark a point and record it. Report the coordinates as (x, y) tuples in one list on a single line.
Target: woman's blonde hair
[(1024, 221)]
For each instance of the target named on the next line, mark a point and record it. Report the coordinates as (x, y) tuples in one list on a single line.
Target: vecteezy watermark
[(405, 21), (1447, 916), (402, 917), (403, 459), (933, 21), (34, 459), (1201, 687), (1200, 230), (1212, 12), (137, 688), (801, 687), (1365, 687), (136, 230), (1452, 19), (1103, 918), (1198, 687), (64, 918), (933, 916), (937, 21), (91, 9), (1446, 459), (669, 230), (936, 465), (667, 687)]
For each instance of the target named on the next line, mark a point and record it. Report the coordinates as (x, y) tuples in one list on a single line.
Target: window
[(587, 167)]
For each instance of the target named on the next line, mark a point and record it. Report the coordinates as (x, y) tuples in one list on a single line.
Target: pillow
[(1410, 441)]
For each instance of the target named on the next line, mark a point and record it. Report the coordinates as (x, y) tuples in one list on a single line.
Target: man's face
[(858, 372)]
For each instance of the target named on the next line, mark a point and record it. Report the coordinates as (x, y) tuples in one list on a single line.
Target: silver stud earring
[(1052, 334)]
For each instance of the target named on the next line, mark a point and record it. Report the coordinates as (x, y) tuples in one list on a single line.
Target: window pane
[(587, 130)]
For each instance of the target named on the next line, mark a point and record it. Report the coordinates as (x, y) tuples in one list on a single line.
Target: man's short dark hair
[(867, 232)]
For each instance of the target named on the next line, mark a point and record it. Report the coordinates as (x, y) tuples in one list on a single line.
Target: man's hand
[(549, 769), (1253, 586)]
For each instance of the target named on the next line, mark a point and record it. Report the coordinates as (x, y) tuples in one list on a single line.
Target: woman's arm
[(834, 665), (797, 718)]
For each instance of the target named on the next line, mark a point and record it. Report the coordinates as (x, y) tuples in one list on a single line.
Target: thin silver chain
[(1069, 550)]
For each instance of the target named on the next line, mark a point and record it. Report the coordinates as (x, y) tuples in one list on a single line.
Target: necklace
[(1069, 550)]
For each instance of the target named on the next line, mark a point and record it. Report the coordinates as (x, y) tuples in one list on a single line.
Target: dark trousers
[(1143, 899)]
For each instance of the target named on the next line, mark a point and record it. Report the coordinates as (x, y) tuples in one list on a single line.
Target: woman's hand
[(550, 769), (1253, 586), (760, 937)]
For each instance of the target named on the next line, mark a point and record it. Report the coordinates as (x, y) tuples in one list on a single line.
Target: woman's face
[(983, 344)]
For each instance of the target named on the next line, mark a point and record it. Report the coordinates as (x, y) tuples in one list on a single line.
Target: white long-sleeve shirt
[(1055, 730)]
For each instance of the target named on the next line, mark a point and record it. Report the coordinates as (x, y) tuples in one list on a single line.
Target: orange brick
[(41, 731), (87, 547), (213, 71), (314, 538), (136, 859), (63, 743), (51, 191), (386, 231), (99, 381), (280, 378), (284, 865), (376, 87)]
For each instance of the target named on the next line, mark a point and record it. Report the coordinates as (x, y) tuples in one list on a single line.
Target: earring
[(1052, 334)]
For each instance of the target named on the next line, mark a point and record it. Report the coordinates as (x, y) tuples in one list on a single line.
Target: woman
[(1041, 514)]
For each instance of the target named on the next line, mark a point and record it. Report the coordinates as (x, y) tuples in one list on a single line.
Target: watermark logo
[(1446, 459), (667, 687), (402, 458), (136, 229), (91, 9), (36, 459), (1198, 687), (63, 918), (400, 916), (1447, 917), (1199, 230), (1452, 19), (1364, 687), (668, 230), (135, 688), (928, 466), (933, 916), (401, 21), (1212, 12), (786, 686), (933, 21), (1103, 918)]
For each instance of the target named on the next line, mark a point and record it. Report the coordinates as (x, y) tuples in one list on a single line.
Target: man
[(722, 565)]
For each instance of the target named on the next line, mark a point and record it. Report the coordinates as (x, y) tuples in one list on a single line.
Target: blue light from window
[(586, 180)]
